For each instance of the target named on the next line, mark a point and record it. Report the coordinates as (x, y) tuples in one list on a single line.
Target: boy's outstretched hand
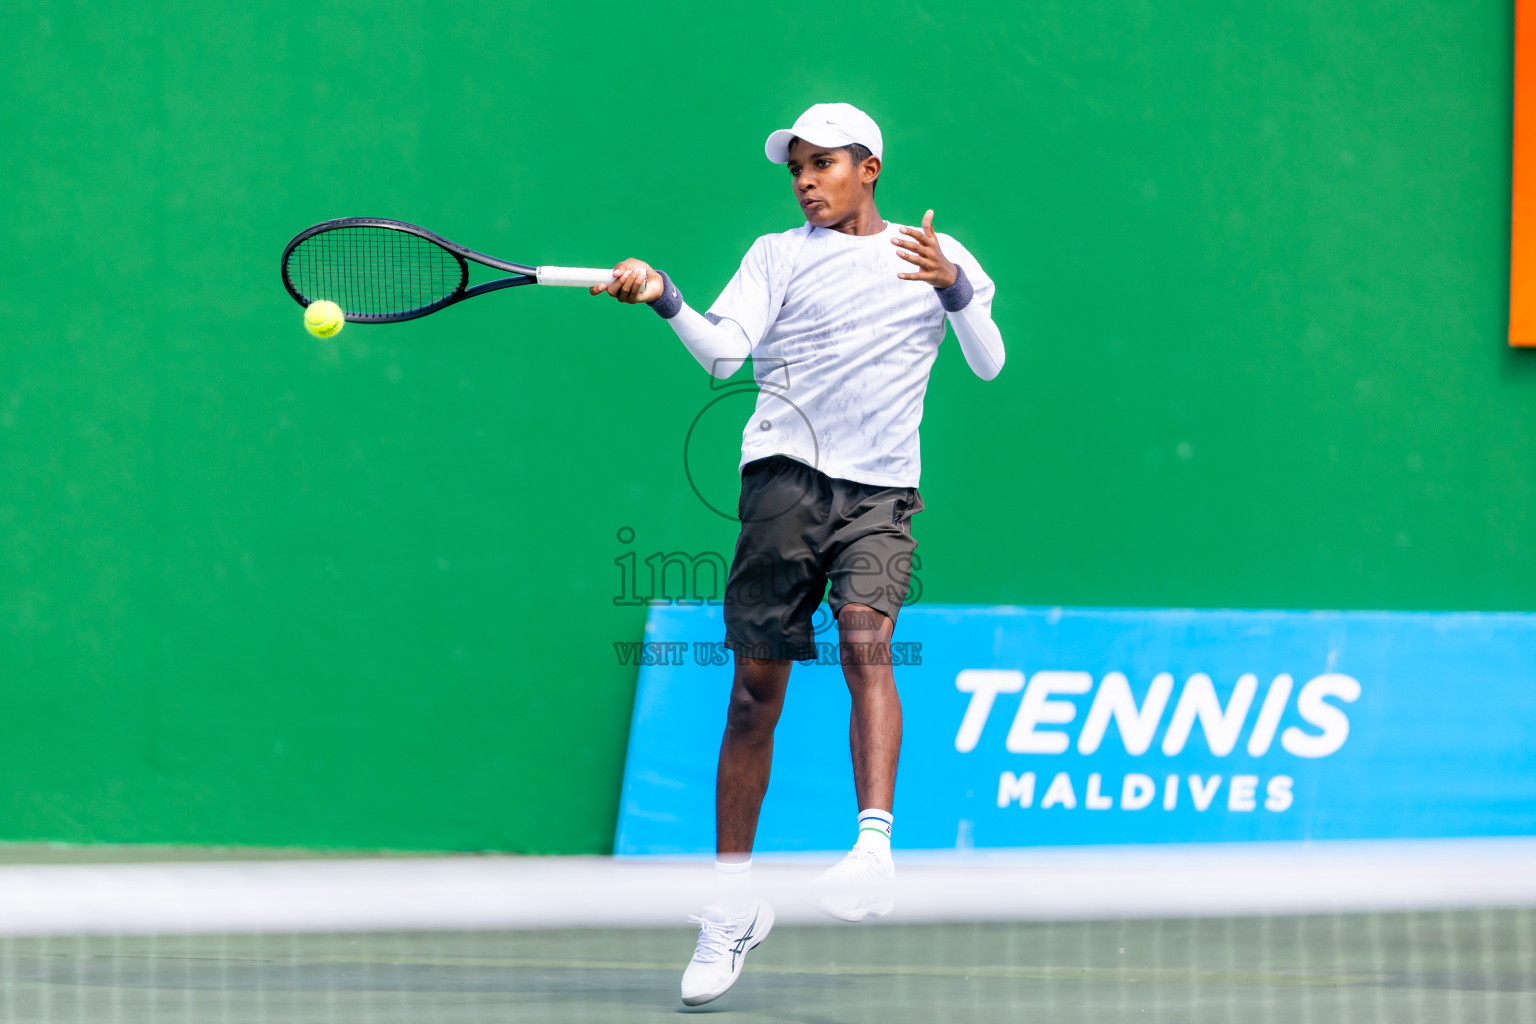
[(637, 282), (922, 248)]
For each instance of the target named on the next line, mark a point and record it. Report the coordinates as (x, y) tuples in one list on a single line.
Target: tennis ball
[(323, 318)]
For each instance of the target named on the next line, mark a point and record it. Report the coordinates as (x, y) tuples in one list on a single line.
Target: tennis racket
[(384, 271)]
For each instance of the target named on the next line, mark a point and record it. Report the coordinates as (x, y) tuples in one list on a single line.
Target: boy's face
[(828, 185)]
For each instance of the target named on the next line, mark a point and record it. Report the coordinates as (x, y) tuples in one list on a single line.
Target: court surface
[(1410, 967)]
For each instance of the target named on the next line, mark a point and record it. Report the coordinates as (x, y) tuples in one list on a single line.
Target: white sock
[(733, 886), (874, 832)]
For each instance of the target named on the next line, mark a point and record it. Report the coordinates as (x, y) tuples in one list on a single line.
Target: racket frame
[(523, 274)]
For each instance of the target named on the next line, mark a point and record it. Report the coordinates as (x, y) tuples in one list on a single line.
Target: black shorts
[(801, 529)]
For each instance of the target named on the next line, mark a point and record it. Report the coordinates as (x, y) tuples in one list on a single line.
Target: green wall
[(260, 589)]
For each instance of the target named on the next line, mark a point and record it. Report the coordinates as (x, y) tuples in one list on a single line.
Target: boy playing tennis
[(842, 318)]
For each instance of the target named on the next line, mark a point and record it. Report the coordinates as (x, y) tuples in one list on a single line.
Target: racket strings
[(369, 270)]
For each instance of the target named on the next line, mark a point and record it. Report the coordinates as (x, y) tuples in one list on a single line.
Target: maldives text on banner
[(1042, 727)]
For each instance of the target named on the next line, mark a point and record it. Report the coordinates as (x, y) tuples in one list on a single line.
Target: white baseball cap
[(827, 124)]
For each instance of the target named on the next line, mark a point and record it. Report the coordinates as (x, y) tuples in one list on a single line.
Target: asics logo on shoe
[(739, 947)]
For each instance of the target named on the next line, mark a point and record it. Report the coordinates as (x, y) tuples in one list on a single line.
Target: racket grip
[(574, 277)]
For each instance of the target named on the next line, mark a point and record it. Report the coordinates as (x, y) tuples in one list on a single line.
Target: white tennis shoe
[(861, 885), (724, 942)]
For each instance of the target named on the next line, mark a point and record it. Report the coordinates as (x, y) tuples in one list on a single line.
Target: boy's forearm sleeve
[(720, 346), (980, 339)]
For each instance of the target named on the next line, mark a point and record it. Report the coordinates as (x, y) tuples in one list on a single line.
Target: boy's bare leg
[(746, 753)]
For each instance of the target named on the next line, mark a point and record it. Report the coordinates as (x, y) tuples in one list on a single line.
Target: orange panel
[(1522, 273)]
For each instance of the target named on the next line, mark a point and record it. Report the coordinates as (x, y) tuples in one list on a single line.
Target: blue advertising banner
[(1048, 727)]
